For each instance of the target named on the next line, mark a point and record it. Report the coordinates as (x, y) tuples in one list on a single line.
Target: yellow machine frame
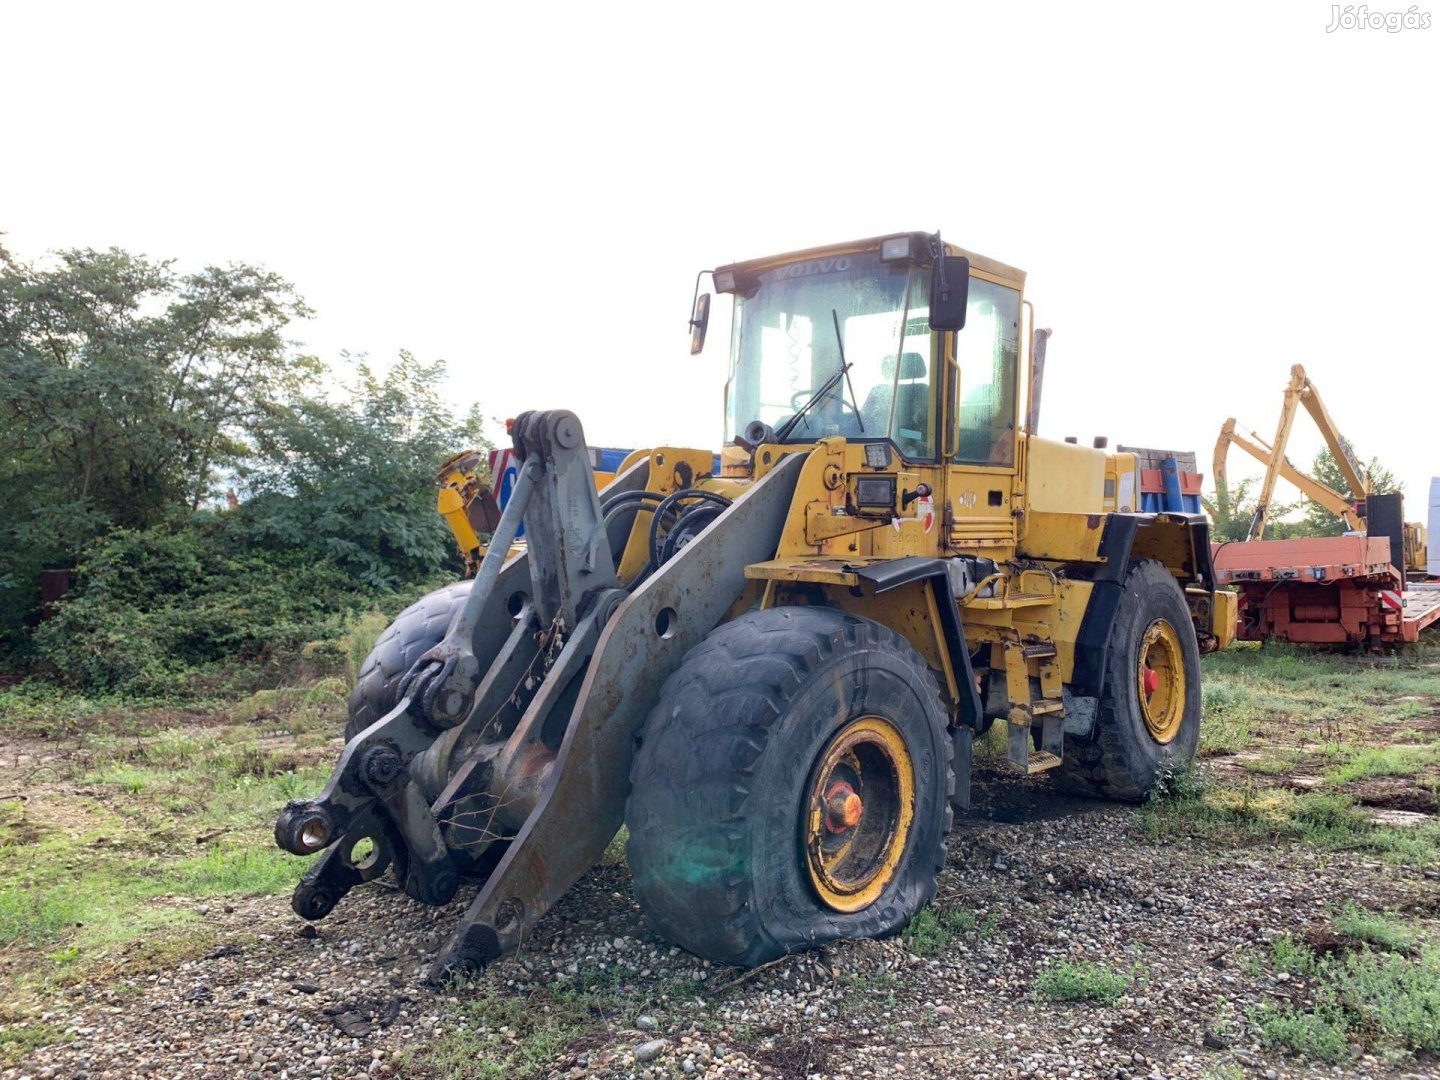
[(1047, 523), (1057, 526)]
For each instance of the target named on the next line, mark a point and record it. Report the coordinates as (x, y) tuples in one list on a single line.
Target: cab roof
[(919, 242)]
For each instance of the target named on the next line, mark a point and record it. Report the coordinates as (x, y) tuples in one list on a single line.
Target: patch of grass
[(501, 1036), (19, 1039), (1366, 762), (1191, 806), (932, 930), (1394, 995), (993, 745), (615, 850), (110, 901), (319, 707), (243, 782), (110, 872), (1280, 765), (1321, 1033), (34, 707), (33, 920), (242, 871), (1183, 784), (1373, 928), (1291, 956), (878, 980), (359, 638), (1225, 717), (1081, 981), (1385, 1001), (1260, 698)]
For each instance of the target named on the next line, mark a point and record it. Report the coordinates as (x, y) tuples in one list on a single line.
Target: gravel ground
[(1048, 879)]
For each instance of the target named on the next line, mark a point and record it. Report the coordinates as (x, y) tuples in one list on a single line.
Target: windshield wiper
[(845, 370), (828, 385)]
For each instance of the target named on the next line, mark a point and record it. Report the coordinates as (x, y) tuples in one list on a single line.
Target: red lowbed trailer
[(1324, 590)]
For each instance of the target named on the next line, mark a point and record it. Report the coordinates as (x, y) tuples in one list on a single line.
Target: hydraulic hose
[(667, 505), (668, 513)]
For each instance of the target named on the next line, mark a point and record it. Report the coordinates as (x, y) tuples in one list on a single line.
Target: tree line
[(224, 499)]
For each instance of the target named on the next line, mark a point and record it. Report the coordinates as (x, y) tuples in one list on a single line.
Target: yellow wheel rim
[(857, 813), (1160, 680)]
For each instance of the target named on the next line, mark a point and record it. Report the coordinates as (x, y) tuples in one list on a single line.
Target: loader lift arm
[(518, 742)]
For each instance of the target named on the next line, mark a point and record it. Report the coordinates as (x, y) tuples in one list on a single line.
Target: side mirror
[(949, 291), (699, 323)]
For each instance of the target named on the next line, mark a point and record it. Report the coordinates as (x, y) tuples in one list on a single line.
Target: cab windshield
[(784, 347)]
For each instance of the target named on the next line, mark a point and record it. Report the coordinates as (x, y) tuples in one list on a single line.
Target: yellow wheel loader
[(771, 664)]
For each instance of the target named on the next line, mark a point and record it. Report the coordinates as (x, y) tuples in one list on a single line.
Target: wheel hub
[(843, 808), (857, 813), (1160, 681)]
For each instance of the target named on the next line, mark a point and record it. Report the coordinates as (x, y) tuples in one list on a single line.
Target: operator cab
[(839, 341)]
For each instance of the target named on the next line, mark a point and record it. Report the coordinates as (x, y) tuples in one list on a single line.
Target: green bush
[(158, 609), (353, 480), (132, 398)]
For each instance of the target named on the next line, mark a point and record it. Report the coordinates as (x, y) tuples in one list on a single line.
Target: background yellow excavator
[(1351, 509), (467, 500)]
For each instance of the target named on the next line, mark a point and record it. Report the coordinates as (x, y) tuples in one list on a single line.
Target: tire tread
[(756, 666)]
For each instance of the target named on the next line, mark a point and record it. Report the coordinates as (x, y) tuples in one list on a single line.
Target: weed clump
[(936, 927), (1386, 997), (1081, 981)]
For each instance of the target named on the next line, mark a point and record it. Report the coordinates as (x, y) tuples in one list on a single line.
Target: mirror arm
[(695, 296)]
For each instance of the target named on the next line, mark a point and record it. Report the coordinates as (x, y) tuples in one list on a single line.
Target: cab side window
[(987, 352)]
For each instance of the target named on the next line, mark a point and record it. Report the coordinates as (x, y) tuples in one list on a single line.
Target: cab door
[(983, 406)]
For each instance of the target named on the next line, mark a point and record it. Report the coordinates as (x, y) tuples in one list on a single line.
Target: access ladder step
[(1039, 650), (1029, 760)]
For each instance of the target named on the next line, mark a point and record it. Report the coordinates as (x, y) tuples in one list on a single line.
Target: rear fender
[(1179, 541)]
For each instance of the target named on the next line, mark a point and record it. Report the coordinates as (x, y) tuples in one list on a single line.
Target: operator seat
[(911, 397)]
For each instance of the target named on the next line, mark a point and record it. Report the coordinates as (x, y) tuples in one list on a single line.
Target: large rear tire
[(415, 631), (792, 787), (1148, 718)]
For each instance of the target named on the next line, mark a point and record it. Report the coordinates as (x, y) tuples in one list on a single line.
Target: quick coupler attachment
[(371, 815)]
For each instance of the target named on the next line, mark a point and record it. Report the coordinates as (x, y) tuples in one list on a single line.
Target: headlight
[(875, 493), (895, 248)]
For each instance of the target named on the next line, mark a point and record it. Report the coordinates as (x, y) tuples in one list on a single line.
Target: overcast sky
[(1202, 194)]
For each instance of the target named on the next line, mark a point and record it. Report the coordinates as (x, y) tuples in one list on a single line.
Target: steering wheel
[(800, 397)]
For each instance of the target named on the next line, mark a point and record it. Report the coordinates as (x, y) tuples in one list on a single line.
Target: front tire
[(415, 631), (1148, 718), (792, 787)]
